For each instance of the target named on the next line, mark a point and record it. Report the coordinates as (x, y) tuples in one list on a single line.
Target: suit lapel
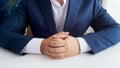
[(73, 11), (47, 12)]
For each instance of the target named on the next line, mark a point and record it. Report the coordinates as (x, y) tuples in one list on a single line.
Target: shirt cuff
[(84, 46), (33, 46)]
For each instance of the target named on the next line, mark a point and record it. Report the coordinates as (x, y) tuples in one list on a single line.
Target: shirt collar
[(54, 2)]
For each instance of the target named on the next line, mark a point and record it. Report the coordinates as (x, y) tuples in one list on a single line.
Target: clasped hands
[(60, 46)]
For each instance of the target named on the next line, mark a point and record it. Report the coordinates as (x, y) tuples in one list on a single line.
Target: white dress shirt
[(60, 13)]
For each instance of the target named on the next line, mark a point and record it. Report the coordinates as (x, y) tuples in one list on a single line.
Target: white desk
[(109, 58)]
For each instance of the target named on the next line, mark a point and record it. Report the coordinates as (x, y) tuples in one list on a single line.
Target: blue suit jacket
[(39, 15)]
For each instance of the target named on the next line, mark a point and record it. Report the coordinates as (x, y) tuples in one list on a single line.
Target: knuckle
[(60, 55), (53, 56), (45, 53), (55, 50), (51, 50), (61, 50), (57, 56), (58, 50)]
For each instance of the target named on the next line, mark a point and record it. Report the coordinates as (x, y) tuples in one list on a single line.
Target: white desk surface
[(109, 58)]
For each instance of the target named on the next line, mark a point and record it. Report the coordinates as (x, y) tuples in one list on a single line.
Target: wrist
[(78, 44), (42, 46)]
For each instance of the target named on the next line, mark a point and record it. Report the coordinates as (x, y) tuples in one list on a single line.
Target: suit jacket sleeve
[(107, 31), (13, 28)]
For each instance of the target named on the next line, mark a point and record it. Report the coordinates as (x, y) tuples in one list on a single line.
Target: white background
[(113, 8)]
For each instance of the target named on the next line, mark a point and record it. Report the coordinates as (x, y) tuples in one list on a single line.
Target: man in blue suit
[(58, 28)]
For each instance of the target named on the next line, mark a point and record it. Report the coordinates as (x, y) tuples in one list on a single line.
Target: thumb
[(61, 35)]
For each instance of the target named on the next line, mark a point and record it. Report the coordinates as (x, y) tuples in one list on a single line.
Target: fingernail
[(67, 32), (54, 35)]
